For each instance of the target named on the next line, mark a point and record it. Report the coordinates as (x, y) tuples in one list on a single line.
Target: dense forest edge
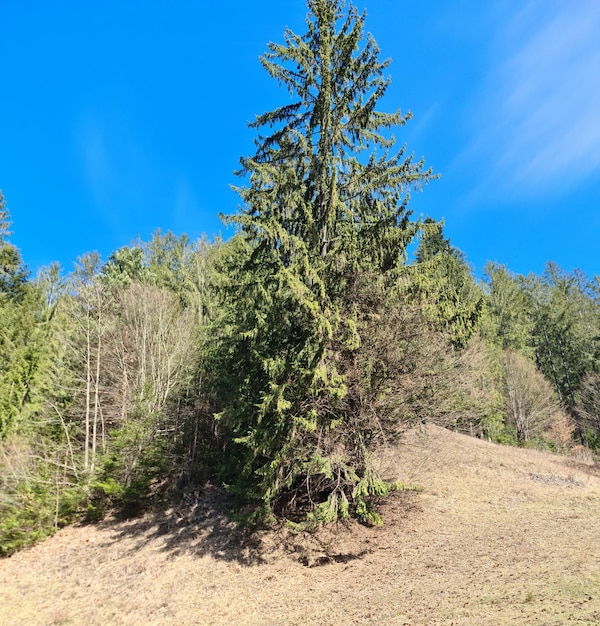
[(280, 362)]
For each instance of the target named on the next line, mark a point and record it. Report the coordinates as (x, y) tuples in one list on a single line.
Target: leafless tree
[(531, 402)]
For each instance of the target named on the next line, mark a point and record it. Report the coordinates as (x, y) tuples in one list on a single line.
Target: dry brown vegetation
[(498, 535)]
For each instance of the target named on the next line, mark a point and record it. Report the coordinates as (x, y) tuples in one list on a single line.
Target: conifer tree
[(443, 281), (13, 273), (21, 335), (564, 332), (325, 211), (510, 310)]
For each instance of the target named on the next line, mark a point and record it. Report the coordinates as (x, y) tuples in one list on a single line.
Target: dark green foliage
[(126, 265), (38, 479), (433, 243), (554, 321), (173, 263), (325, 212), (38, 492), (25, 350), (565, 332), (139, 456), (13, 274), (509, 310), (442, 281)]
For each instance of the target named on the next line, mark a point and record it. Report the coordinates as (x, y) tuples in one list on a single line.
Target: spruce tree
[(443, 282), (13, 273), (324, 214)]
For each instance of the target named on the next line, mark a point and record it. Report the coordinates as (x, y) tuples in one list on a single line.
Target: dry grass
[(498, 536)]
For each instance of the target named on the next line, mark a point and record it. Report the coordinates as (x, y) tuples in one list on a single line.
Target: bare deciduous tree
[(588, 398), (531, 402)]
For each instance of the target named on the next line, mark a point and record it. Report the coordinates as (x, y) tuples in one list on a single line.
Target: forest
[(278, 363)]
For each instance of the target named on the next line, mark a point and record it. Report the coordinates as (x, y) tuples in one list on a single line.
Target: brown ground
[(498, 536)]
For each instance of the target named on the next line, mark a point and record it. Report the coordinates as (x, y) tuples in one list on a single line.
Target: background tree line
[(281, 361)]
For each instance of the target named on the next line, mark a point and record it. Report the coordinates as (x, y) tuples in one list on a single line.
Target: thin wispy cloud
[(113, 171), (95, 162), (538, 114), (184, 203)]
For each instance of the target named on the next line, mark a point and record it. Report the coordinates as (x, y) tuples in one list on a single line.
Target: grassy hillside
[(499, 535)]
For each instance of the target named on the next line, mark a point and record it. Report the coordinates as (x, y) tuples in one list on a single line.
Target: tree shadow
[(199, 525)]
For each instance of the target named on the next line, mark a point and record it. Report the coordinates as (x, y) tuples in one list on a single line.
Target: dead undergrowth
[(498, 536)]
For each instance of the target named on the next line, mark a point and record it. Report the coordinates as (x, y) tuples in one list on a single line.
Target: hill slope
[(498, 536)]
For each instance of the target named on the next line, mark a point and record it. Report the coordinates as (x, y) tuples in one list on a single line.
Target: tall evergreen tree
[(13, 273), (445, 285), (21, 333), (565, 331), (510, 310), (325, 213)]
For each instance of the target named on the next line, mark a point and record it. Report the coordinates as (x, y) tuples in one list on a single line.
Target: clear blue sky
[(118, 118)]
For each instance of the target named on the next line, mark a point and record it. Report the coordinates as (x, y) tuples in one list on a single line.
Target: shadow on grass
[(199, 525)]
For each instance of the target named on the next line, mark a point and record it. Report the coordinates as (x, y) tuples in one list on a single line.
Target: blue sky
[(118, 118)]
